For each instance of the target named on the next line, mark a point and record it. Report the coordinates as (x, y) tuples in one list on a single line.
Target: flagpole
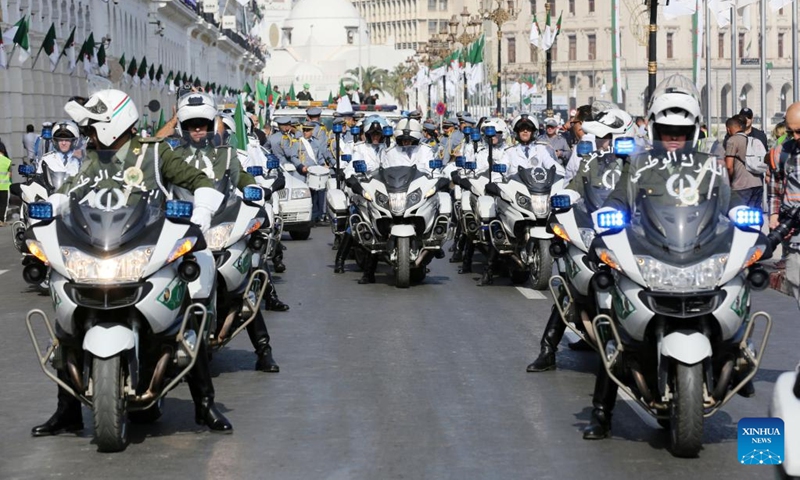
[(763, 62), (734, 92), (37, 57), (709, 94), (652, 53), (11, 56)]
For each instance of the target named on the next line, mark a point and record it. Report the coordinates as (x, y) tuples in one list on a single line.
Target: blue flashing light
[(624, 146), (253, 193), (489, 131), (26, 170), (355, 130), (434, 164), (338, 128), (748, 217), (273, 162), (460, 161), (360, 166), (256, 171), (499, 168), (346, 157), (40, 210), (179, 209), (388, 131), (585, 148), (611, 220), (471, 165), (475, 136), (467, 130), (47, 133), (560, 202)]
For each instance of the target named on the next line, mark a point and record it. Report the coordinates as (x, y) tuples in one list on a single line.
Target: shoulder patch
[(151, 139)]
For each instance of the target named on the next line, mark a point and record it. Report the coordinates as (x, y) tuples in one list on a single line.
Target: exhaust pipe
[(157, 379)]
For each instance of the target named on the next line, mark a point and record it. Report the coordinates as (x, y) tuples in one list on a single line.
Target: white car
[(295, 205)]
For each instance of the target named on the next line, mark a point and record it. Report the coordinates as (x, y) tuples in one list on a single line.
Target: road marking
[(646, 417), (3, 271), (531, 294)]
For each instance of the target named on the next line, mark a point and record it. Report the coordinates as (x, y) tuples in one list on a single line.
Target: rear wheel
[(110, 420), (686, 410), (300, 234), (540, 263), (403, 262)]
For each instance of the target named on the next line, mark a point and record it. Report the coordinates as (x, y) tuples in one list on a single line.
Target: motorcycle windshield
[(112, 227), (597, 178), (679, 203), (537, 180), (53, 180), (223, 185), (397, 179)]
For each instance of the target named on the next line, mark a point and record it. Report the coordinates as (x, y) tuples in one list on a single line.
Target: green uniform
[(221, 159), (141, 165)]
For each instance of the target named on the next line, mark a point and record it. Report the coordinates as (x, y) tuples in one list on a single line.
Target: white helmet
[(499, 125), (408, 128), (675, 103), (228, 122), (614, 122), (110, 112), (196, 106), (66, 129), (525, 119)]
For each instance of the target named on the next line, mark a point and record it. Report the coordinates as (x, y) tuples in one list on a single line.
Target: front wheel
[(403, 262), (686, 410), (110, 419), (540, 263), (300, 234)]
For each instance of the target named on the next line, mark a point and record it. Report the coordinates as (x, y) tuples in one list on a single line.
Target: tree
[(372, 79), (397, 82)]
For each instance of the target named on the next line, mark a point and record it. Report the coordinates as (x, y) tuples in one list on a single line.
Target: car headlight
[(540, 205), (587, 236), (381, 199), (299, 193), (127, 267), (217, 237), (413, 198), (397, 203), (700, 276)]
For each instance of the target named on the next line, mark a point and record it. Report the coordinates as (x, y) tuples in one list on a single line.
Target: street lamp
[(499, 16), (652, 53)]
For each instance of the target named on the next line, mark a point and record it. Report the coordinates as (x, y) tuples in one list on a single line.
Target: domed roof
[(326, 23), (314, 9)]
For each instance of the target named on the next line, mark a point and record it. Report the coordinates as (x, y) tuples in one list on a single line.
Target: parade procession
[(378, 239)]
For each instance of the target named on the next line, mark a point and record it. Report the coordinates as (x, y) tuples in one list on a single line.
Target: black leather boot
[(553, 332), (370, 265), (259, 337), (273, 302), (202, 389), (486, 278), (337, 241), (67, 418), (277, 260), (466, 263), (603, 400), (342, 253), (265, 362), (458, 254)]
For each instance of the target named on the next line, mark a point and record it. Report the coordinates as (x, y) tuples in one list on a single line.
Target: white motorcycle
[(673, 289), (127, 330), (403, 219)]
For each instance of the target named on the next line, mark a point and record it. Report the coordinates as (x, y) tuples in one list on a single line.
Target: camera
[(789, 218)]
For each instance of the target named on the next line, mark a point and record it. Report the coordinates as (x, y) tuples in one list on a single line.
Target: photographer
[(784, 192)]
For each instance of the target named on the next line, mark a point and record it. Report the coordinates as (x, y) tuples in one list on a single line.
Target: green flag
[(247, 88), (342, 91), (101, 60), (330, 97), (131, 72), (18, 35), (122, 62), (161, 121), (69, 50), (292, 95), (239, 140), (50, 48)]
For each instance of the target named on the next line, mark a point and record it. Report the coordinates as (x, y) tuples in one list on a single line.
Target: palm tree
[(397, 82), (370, 79)]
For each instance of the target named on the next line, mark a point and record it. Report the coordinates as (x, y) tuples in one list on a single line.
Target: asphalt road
[(378, 383)]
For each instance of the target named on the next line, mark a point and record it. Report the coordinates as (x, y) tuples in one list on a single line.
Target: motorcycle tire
[(541, 268), (686, 411), (110, 419), (150, 415), (518, 277), (300, 234), (403, 275)]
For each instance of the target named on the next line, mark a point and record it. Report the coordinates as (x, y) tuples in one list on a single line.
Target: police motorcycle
[(675, 271), (127, 330), (598, 173), (402, 219)]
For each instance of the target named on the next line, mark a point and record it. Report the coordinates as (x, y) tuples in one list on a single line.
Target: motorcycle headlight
[(381, 199), (299, 193), (397, 203), (540, 204), (413, 198), (700, 276), (523, 201), (587, 236), (127, 267), (217, 237)]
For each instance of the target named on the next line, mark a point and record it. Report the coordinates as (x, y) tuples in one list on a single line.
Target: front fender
[(105, 341), (540, 232), (686, 346), (787, 407), (403, 231)]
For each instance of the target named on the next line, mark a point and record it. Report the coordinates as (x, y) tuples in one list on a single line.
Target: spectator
[(29, 143), (5, 183), (555, 140), (746, 188), (305, 94), (750, 130)]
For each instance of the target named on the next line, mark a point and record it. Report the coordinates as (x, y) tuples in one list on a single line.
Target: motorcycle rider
[(197, 119), (371, 152), (67, 154), (599, 169), (526, 153), (120, 160)]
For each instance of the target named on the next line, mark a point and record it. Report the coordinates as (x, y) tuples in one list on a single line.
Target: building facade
[(174, 34)]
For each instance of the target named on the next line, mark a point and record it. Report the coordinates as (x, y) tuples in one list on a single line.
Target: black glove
[(492, 189), (354, 185), (456, 177), (443, 185), (267, 193), (340, 175), (279, 183)]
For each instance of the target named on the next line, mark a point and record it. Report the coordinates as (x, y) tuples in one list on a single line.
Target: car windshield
[(679, 204)]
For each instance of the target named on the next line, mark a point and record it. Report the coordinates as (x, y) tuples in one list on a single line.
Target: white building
[(172, 34), (319, 40)]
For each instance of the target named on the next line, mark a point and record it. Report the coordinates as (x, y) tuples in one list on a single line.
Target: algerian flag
[(101, 60), (69, 50), (548, 34), (776, 5), (160, 77), (86, 55), (239, 140), (292, 95), (141, 73), (18, 35), (170, 81), (3, 56), (151, 74), (679, 8), (131, 73), (722, 11), (161, 121), (122, 63), (536, 34), (50, 48)]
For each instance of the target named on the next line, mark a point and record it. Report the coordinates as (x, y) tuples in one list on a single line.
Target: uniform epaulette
[(151, 139), (509, 147)]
